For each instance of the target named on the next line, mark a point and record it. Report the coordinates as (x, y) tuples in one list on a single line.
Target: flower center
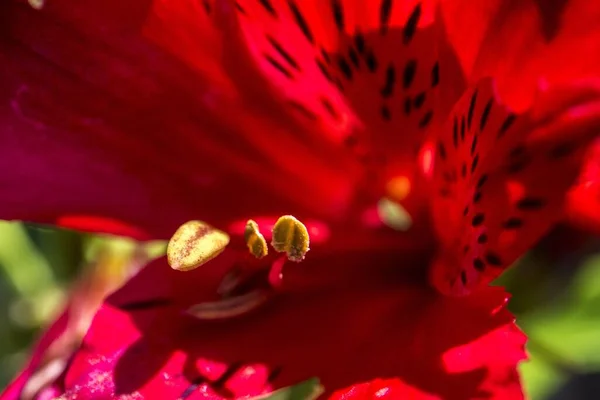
[(246, 286)]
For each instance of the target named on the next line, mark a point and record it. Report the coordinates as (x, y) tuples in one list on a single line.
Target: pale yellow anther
[(194, 244), (255, 240), (290, 236), (37, 4)]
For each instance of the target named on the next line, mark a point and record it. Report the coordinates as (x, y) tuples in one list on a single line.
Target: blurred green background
[(556, 300)]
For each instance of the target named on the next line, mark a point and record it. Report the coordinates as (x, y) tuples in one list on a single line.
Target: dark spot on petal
[(345, 68), (206, 5), (471, 109), (442, 150), (551, 13), (303, 110), (275, 64), (477, 220), (476, 197), (324, 70), (482, 239), (485, 114), (462, 129), (300, 21), (466, 249), (455, 132), (466, 211), (390, 78), (338, 14), (435, 74), (240, 8), (481, 181), (385, 11), (474, 163), (478, 264), (426, 119), (411, 24), (530, 204), (268, 6), (329, 107), (463, 170), (512, 223), (275, 372), (409, 73), (562, 150), (493, 259), (517, 166), (506, 125), (325, 56), (284, 54), (419, 100), (385, 113), (145, 304), (474, 144), (371, 62)]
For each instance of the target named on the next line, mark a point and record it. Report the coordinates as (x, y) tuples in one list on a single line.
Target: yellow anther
[(194, 244), (394, 215), (255, 240), (290, 236), (37, 4)]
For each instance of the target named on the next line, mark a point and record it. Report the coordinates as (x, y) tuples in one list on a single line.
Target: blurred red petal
[(583, 202), (520, 42), (345, 320), (384, 389), (136, 137)]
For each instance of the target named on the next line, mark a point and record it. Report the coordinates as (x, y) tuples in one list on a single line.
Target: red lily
[(319, 109)]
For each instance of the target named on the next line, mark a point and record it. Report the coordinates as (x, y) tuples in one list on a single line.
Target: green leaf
[(308, 390)]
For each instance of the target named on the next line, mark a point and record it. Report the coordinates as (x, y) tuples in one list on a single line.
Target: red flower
[(318, 109)]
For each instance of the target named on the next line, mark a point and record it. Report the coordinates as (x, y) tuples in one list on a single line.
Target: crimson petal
[(385, 324), (104, 130), (501, 178)]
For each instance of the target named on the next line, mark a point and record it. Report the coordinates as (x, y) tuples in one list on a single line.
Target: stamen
[(255, 240), (194, 244), (37, 4), (290, 236), (394, 215), (229, 307)]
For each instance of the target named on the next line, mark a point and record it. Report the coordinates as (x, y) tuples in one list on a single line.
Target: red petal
[(339, 321), (501, 178), (388, 59), (521, 42), (388, 389), (583, 205), (135, 137), (389, 63)]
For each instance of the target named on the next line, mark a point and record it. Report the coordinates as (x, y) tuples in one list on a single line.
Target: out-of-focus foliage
[(557, 301), (43, 268)]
